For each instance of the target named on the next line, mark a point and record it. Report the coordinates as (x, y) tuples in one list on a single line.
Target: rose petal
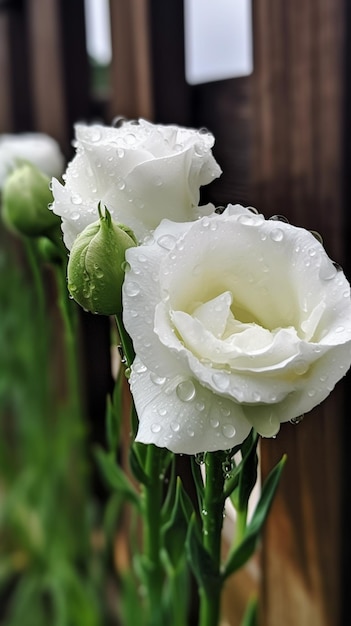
[(181, 415)]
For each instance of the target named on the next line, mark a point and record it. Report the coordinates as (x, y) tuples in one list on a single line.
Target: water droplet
[(130, 139), (276, 234), (191, 432), (95, 134), (327, 270), (317, 236), (162, 412), (155, 428), (279, 218), (98, 272), (166, 241), (300, 367), (228, 430), (200, 406), (297, 420), (132, 289), (186, 391), (214, 422), (175, 426), (311, 393), (157, 380), (340, 329), (121, 184), (139, 368), (221, 381), (256, 396), (200, 458), (204, 512), (158, 181), (75, 216)]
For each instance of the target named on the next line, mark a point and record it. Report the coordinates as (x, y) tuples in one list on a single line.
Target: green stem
[(69, 334), (152, 503), (212, 517), (34, 265), (240, 526)]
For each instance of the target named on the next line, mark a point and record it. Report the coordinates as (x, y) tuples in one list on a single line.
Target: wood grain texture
[(297, 171), (131, 66)]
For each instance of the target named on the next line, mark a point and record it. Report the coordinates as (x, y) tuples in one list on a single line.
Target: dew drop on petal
[(132, 289), (166, 241), (276, 234), (191, 432), (139, 368), (175, 426), (121, 184), (228, 430), (296, 420), (162, 412), (186, 391), (200, 406), (75, 216), (214, 422), (327, 270), (155, 428), (221, 381), (95, 134), (157, 380), (300, 367)]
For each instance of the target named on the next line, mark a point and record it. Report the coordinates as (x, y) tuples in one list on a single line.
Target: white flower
[(141, 172), (37, 148), (236, 322)]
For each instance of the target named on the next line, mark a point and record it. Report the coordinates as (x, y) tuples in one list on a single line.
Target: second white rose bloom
[(237, 322), (140, 171)]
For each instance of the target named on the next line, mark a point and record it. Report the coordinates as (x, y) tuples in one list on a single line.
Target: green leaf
[(136, 466), (198, 480), (247, 472), (200, 560), (251, 613), (115, 476), (176, 529), (248, 545)]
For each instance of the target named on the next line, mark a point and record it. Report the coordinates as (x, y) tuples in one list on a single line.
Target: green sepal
[(251, 614), (247, 547), (175, 530), (247, 471), (137, 467), (115, 477), (200, 560)]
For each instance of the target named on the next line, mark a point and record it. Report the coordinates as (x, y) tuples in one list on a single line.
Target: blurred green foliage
[(49, 572)]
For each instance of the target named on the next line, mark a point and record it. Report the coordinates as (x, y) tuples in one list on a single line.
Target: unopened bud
[(25, 199), (96, 266)]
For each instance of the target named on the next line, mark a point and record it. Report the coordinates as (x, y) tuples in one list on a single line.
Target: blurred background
[(271, 80)]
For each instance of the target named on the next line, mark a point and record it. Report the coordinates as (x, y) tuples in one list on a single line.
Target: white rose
[(141, 172), (37, 148), (236, 322)]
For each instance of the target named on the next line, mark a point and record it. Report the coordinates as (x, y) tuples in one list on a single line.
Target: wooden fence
[(282, 142)]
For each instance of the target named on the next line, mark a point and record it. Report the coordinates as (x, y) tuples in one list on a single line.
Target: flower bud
[(25, 199), (96, 265)]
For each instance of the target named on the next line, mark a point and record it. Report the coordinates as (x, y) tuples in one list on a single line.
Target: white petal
[(184, 417)]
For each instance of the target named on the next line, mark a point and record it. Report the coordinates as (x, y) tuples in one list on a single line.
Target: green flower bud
[(96, 265), (25, 199)]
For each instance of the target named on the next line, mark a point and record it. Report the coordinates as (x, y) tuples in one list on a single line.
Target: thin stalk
[(152, 504), (212, 517)]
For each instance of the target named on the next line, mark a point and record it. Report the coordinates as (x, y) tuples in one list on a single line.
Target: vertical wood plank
[(47, 70), (297, 171), (131, 67), (6, 118)]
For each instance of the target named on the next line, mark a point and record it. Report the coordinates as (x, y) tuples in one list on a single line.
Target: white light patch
[(218, 40)]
